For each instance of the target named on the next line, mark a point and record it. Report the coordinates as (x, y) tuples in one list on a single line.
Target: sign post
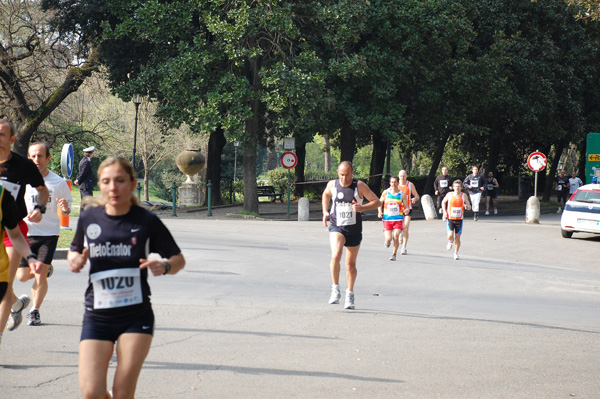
[(67, 160), (289, 160), (536, 162)]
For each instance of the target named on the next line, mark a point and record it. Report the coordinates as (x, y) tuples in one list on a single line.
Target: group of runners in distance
[(342, 204)]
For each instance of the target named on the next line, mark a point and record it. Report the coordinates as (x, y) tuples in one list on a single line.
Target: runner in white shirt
[(43, 236), (574, 183)]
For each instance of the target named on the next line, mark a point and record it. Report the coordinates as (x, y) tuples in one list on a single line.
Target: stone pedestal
[(532, 212), (428, 207), (303, 209), (189, 194)]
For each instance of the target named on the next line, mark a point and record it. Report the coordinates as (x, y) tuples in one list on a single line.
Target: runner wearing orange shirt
[(453, 206)]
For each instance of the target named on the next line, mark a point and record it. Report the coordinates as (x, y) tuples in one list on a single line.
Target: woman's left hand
[(156, 267)]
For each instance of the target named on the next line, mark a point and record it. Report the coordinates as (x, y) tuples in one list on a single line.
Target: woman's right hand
[(77, 260)]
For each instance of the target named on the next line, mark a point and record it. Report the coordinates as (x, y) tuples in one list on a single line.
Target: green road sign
[(592, 164)]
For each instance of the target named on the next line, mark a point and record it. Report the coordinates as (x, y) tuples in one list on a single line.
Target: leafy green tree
[(37, 71), (218, 65)]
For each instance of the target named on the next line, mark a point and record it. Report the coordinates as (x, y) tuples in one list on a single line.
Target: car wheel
[(566, 234)]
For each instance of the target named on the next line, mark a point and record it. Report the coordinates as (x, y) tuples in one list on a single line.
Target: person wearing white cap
[(85, 177)]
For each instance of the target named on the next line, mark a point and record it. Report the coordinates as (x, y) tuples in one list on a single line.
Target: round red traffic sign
[(289, 160), (537, 161)]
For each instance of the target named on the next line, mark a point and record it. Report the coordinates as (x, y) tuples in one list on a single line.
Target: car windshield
[(590, 196)]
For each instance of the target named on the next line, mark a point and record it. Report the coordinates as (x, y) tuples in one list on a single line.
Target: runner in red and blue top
[(117, 235), (345, 196), (394, 202)]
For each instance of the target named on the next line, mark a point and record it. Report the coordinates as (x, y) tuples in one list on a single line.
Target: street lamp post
[(236, 144), (137, 100)]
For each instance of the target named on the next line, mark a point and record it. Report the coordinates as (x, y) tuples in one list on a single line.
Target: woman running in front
[(117, 235)]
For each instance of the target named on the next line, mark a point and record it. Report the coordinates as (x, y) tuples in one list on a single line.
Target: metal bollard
[(209, 185), (174, 194)]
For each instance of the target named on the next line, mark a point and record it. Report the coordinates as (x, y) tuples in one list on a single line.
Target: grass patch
[(249, 213), (65, 238)]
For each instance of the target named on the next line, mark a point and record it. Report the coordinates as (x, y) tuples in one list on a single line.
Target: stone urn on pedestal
[(190, 162)]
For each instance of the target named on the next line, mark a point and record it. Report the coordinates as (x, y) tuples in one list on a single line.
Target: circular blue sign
[(67, 159)]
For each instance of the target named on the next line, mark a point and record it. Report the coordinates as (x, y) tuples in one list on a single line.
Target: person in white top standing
[(43, 236), (574, 183)]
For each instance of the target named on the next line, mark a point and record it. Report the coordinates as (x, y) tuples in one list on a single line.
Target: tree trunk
[(347, 142), (377, 162), (216, 143), (552, 172), (299, 170), (327, 153), (435, 163), (251, 139), (271, 153), (146, 184)]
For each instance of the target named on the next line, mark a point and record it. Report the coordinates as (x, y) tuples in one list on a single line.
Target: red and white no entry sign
[(289, 160), (537, 161)]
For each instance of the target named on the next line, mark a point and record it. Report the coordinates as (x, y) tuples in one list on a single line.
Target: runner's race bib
[(12, 188), (456, 212), (559, 187), (117, 288), (393, 209), (344, 214), (443, 183), (490, 187), (475, 183)]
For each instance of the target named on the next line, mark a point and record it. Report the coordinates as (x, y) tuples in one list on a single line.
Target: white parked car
[(582, 211)]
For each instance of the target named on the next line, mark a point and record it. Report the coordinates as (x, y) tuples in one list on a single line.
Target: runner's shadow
[(253, 333), (262, 371)]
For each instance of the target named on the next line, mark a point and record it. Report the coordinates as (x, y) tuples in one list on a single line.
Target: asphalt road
[(517, 317)]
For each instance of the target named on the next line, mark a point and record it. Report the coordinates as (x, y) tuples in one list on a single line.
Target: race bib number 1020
[(117, 288)]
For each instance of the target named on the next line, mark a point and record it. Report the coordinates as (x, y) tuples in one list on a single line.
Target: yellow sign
[(593, 157)]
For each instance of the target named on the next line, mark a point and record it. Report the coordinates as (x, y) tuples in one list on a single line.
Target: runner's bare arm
[(467, 202), (405, 203), (326, 200), (35, 215), (21, 246), (365, 192), (159, 267), (382, 200), (445, 205), (415, 194)]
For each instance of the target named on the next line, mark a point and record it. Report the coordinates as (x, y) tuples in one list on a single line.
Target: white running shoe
[(456, 256), (335, 297), (349, 300), (449, 245), (495, 211), (403, 251), (16, 317), (487, 213), (393, 257), (386, 244)]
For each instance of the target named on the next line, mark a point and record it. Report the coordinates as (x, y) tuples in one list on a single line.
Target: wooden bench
[(268, 191)]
